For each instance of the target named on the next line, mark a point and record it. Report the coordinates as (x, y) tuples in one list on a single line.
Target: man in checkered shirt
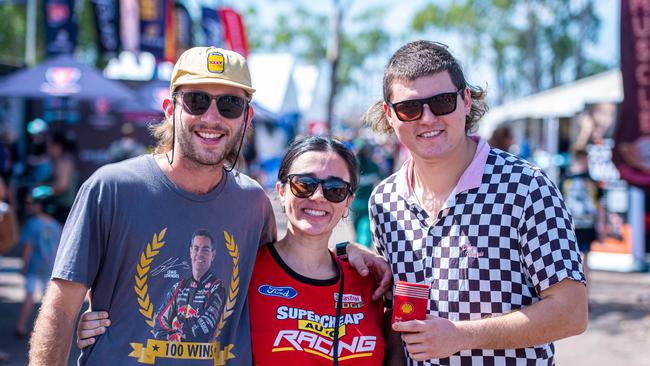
[(487, 231)]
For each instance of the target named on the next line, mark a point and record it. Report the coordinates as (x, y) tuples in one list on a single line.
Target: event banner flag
[(152, 27), (632, 152), (170, 32), (107, 20), (183, 29), (130, 25), (234, 32), (60, 26), (212, 27)]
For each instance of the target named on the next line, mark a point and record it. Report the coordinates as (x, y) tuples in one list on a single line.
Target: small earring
[(283, 209), (346, 214)]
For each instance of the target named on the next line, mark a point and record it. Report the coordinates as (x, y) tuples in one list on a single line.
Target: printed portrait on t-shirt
[(189, 312), (193, 305)]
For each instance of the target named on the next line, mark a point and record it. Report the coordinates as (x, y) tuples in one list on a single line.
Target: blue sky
[(398, 21)]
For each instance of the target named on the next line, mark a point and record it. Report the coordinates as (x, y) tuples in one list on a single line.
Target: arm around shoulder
[(52, 336)]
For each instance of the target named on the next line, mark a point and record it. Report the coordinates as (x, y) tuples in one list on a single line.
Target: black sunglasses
[(303, 186), (196, 103), (439, 104)]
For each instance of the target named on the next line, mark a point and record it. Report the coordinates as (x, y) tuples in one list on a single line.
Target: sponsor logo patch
[(284, 292), (215, 62), (349, 301), (406, 308)]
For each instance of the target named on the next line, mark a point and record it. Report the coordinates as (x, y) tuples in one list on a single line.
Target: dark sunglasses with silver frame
[(197, 102), (304, 186), (439, 104)]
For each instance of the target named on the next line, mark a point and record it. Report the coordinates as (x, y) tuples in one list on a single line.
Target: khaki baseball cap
[(211, 65)]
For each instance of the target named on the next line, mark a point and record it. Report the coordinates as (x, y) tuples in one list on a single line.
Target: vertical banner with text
[(183, 22), (107, 21), (170, 31), (212, 27), (130, 25), (234, 31), (60, 27), (152, 27), (632, 152)]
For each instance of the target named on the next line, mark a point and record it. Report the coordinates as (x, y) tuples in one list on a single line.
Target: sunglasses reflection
[(304, 186), (197, 103), (439, 104)]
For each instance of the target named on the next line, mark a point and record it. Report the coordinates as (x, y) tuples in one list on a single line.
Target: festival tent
[(563, 101), (62, 76), (148, 98)]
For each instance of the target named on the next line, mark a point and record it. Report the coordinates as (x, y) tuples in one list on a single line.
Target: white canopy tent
[(562, 101), (567, 101)]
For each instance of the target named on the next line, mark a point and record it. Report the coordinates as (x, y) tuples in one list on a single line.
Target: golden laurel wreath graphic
[(233, 250), (142, 270)]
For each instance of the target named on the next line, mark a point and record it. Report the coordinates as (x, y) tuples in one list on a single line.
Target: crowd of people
[(177, 254)]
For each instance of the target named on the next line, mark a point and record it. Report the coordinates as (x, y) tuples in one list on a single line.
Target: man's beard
[(208, 158)]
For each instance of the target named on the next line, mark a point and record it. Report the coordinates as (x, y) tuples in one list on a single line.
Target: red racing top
[(293, 317)]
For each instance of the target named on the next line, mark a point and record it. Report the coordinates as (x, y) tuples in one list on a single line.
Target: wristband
[(342, 250)]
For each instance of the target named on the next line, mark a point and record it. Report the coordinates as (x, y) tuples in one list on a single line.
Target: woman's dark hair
[(321, 144)]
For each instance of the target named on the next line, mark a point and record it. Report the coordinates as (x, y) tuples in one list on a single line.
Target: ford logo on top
[(285, 291)]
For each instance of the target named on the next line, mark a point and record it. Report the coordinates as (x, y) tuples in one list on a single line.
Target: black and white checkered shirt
[(503, 236)]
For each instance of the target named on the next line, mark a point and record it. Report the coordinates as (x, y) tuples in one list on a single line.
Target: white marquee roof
[(562, 101)]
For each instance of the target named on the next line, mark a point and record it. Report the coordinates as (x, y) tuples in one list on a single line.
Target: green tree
[(533, 45), (308, 35), (12, 33)]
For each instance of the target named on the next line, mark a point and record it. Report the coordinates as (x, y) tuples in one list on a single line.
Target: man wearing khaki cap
[(126, 237)]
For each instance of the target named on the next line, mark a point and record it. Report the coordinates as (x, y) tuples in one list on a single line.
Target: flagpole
[(30, 42)]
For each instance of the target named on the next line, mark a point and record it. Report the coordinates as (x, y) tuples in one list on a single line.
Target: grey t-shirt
[(128, 239)]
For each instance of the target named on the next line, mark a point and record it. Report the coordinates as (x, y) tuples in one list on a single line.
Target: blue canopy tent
[(62, 76), (63, 92), (148, 98)]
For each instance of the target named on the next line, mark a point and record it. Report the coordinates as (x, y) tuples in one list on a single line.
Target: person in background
[(38, 169), (582, 196), (487, 232), (8, 153), (39, 238), (126, 146), (4, 356), (370, 175), (501, 138), (61, 149)]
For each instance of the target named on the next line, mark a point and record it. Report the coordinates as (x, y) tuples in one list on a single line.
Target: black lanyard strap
[(337, 321)]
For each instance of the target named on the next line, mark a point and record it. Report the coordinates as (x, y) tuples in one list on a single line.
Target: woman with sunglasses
[(296, 306), (298, 316)]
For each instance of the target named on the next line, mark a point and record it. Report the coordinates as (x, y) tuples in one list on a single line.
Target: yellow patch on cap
[(215, 62)]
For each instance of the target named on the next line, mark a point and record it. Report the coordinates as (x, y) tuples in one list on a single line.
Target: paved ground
[(619, 323), (618, 332)]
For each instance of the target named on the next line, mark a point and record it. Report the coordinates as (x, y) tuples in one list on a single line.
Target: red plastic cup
[(410, 301)]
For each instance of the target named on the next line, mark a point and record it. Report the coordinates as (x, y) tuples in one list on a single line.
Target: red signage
[(632, 152), (234, 32)]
